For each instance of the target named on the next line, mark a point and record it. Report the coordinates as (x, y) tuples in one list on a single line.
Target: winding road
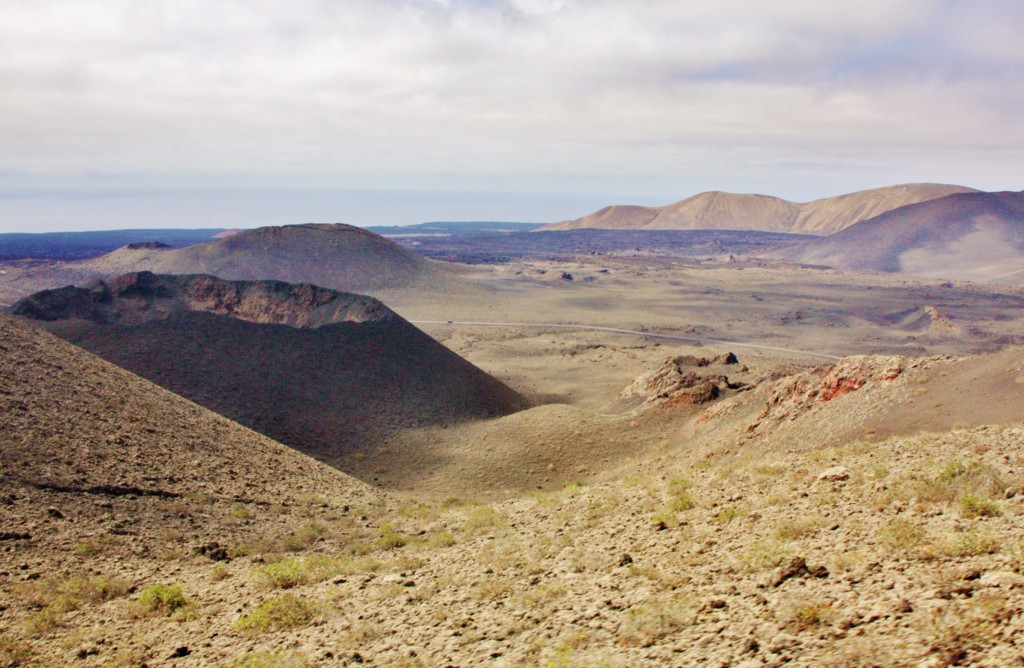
[(617, 330)]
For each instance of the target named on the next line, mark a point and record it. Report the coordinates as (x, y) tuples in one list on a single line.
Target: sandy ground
[(864, 515)]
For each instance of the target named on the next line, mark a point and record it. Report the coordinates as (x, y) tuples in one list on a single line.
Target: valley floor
[(867, 515)]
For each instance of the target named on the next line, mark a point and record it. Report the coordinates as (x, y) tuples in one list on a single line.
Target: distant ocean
[(39, 210)]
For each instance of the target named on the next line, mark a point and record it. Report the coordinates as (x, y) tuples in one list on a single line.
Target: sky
[(238, 113)]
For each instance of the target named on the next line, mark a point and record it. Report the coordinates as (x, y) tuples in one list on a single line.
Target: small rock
[(834, 474), (726, 358), (87, 650), (904, 606), (1001, 579), (717, 603), (54, 513), (214, 551), (625, 560), (180, 652), (797, 567)]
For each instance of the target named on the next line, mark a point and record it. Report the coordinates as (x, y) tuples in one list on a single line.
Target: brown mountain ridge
[(731, 211)]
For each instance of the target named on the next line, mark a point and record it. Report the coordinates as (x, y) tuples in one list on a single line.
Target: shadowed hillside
[(115, 455), (967, 236), (326, 372), (730, 211)]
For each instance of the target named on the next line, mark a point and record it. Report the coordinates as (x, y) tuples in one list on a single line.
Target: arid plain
[(844, 488)]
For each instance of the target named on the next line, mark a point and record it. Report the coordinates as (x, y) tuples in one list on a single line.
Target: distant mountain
[(339, 257), (967, 236), (80, 245), (458, 228), (323, 371), (730, 211)]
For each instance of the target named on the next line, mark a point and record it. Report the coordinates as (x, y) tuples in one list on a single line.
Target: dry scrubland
[(865, 514)]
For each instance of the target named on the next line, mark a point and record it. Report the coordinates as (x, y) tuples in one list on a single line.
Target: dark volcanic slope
[(967, 236), (340, 257), (323, 371), (124, 460)]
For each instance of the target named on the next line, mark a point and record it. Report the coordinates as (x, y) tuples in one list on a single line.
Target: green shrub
[(440, 540), (289, 573), (974, 506), (282, 612), (162, 599), (392, 540)]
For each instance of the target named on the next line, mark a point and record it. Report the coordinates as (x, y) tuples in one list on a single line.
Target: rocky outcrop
[(794, 396), (142, 296), (676, 381)]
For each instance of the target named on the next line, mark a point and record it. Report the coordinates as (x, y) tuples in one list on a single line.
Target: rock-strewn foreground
[(762, 550), (327, 372)]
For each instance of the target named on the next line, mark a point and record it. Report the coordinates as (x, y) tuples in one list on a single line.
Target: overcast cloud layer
[(531, 107)]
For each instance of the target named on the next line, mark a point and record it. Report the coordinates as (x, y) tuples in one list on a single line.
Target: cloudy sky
[(213, 113)]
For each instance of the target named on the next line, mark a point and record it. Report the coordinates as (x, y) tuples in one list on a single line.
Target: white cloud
[(646, 96)]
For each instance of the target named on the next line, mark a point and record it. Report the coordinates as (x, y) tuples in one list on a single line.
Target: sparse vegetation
[(14, 652), (279, 613), (973, 506), (440, 540), (162, 599), (272, 660), (53, 598), (765, 554), (293, 572), (649, 623), (801, 615), (391, 539), (903, 535), (728, 514), (483, 520), (969, 543), (792, 529)]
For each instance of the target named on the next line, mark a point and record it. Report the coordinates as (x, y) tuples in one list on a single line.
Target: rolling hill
[(326, 372), (339, 257), (730, 211), (965, 236)]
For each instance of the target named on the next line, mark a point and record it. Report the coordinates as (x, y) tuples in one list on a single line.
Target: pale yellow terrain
[(863, 511)]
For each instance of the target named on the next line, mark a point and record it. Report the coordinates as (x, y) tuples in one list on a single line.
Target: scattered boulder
[(797, 567), (215, 552), (1003, 579), (834, 474)]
